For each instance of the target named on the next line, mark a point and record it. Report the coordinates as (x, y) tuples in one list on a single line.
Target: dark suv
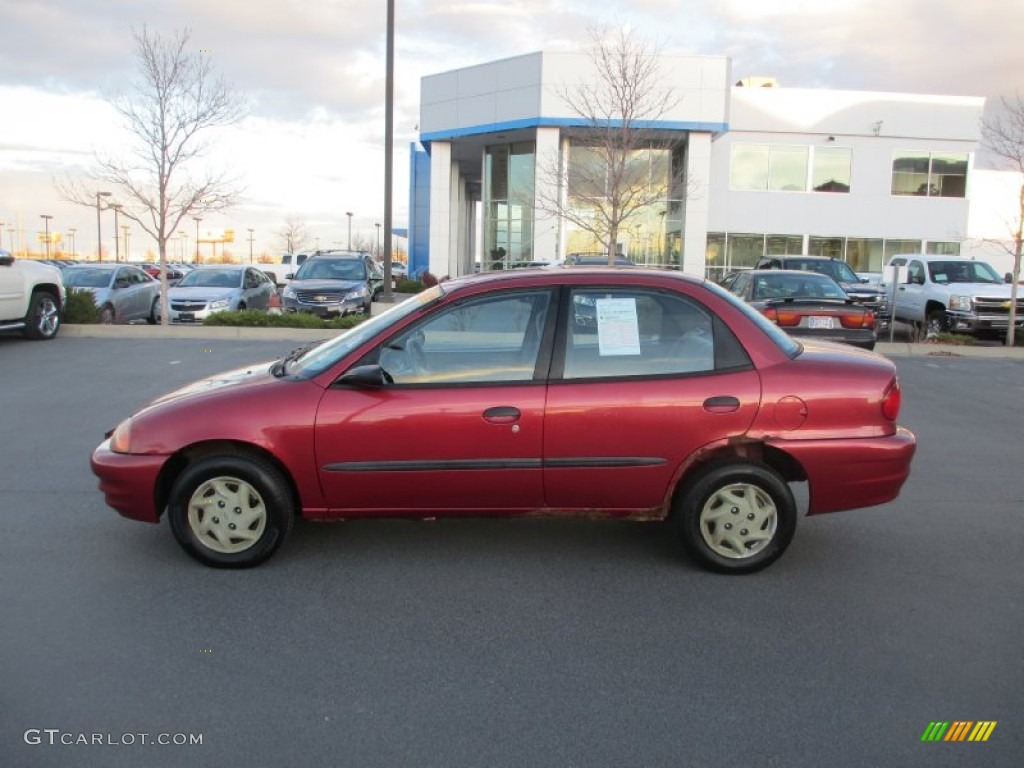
[(869, 295), (332, 283)]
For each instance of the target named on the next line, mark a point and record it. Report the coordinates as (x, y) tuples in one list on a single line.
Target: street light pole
[(71, 246), (349, 214), (99, 227), (124, 229), (377, 225), (117, 241), (46, 221), (251, 230), (389, 143), (197, 219)]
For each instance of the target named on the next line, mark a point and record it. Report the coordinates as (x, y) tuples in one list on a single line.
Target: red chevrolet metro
[(628, 393)]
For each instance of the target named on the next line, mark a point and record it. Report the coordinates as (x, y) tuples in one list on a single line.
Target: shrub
[(409, 286), (428, 280), (252, 318), (957, 339), (81, 307)]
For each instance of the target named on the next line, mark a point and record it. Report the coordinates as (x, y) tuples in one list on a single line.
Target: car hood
[(199, 292), (326, 285), (250, 374), (862, 289)]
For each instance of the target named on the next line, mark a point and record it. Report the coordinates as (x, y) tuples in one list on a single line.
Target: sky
[(311, 143)]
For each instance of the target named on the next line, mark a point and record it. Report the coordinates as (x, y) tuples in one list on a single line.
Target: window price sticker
[(618, 332)]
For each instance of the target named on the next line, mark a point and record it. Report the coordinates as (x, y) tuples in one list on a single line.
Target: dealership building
[(768, 169)]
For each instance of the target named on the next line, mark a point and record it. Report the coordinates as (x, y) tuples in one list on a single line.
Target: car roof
[(559, 275)]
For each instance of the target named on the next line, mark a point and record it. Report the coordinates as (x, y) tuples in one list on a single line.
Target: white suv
[(32, 297)]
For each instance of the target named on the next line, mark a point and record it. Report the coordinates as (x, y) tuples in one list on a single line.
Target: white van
[(290, 264)]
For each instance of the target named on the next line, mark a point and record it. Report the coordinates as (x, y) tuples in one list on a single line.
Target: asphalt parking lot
[(503, 643)]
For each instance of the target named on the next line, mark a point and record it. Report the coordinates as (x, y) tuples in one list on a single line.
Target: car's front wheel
[(735, 517), (154, 312), (936, 323), (43, 318), (107, 314), (231, 510)]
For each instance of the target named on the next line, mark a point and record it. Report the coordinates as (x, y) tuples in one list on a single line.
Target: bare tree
[(1003, 136), (175, 99), (294, 234), (619, 107)]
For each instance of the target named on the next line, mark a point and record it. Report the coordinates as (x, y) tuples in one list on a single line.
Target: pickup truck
[(950, 293), (32, 297)]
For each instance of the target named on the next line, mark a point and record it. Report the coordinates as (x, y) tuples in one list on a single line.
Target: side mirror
[(372, 376), (6, 259), (1008, 277), (289, 276), (121, 282)]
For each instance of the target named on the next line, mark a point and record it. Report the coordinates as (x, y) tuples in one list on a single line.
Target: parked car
[(334, 283), (808, 305), (951, 293), (863, 290), (217, 288), (484, 396), (122, 292), (32, 297)]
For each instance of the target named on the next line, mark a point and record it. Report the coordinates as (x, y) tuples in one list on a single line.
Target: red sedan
[(625, 393)]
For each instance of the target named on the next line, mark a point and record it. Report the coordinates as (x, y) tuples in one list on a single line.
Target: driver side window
[(485, 341)]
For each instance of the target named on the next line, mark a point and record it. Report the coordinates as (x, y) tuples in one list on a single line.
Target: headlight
[(220, 304), (121, 439), (960, 302), (358, 293), (288, 293)]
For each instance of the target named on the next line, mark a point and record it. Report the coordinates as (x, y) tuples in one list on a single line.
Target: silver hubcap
[(738, 521), (227, 515), (48, 318)]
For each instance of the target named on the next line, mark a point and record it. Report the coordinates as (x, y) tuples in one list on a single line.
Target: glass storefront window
[(826, 246), (892, 247), (744, 250), (942, 174), (831, 169), (508, 205), (783, 245), (865, 254), (943, 248)]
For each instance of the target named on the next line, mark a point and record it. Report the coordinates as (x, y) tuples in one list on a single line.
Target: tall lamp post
[(349, 214), (46, 221), (197, 219), (251, 230), (71, 237), (99, 227), (124, 229), (377, 225), (389, 143), (117, 241)]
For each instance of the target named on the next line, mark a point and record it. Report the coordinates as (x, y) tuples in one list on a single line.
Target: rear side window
[(626, 332)]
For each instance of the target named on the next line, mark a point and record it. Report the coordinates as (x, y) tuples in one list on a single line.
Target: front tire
[(42, 321), (152, 318), (231, 510), (107, 316), (937, 322), (737, 517)]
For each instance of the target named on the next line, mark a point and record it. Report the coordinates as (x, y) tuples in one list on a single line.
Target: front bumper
[(330, 308), (192, 315), (128, 481), (972, 322)]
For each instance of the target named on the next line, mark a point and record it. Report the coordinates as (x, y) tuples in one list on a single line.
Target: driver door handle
[(502, 414)]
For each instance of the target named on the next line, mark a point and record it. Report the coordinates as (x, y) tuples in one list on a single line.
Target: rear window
[(782, 339)]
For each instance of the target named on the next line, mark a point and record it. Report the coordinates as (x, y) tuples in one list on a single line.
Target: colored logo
[(959, 730)]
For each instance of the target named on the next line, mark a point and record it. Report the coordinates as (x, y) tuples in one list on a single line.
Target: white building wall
[(546, 235), (441, 240), (698, 202)]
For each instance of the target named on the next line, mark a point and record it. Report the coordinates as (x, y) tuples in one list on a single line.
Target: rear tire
[(42, 321), (736, 517)]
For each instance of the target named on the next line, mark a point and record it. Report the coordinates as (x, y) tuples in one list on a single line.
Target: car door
[(641, 380), (910, 298), (141, 286), (12, 291), (459, 427)]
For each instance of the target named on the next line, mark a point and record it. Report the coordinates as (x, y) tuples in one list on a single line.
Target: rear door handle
[(721, 404), (502, 414)]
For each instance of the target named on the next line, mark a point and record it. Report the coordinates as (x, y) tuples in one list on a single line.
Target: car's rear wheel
[(43, 318), (737, 517), (107, 314), (231, 511)]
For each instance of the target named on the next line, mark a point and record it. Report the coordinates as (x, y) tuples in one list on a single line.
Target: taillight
[(858, 320), (891, 401), (782, 317)]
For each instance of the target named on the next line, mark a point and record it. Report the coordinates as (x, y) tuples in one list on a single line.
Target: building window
[(865, 254), (929, 174), (831, 169), (783, 245), (508, 205), (892, 247), (832, 247), (787, 169), (744, 250), (943, 248), (748, 167)]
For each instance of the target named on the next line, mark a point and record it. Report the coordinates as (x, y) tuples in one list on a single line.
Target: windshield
[(782, 339), (212, 278), (962, 272), (320, 358), (837, 270), (332, 269), (87, 278)]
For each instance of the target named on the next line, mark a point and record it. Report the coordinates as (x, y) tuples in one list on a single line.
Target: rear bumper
[(128, 481), (864, 338), (853, 473)]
